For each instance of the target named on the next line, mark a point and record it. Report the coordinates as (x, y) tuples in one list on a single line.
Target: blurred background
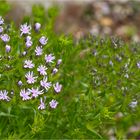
[(80, 17)]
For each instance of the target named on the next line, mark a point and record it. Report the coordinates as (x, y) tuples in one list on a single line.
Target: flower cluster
[(115, 69), (38, 71), (4, 37), (42, 78)]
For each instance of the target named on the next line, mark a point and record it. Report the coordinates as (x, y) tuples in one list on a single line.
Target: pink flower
[(42, 105), (37, 26), (35, 92), (28, 64), (42, 70), (30, 78), (28, 38), (25, 29), (3, 95), (5, 38), (39, 50), (8, 48), (57, 87), (29, 44), (59, 61), (43, 40), (25, 94), (20, 83), (53, 103), (49, 58), (55, 70), (44, 83)]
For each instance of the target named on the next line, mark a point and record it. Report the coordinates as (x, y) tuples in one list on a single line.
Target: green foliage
[(4, 7), (94, 102)]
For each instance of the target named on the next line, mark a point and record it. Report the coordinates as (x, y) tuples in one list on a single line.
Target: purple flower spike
[(37, 26), (5, 38), (53, 103), (28, 64), (35, 92), (42, 105), (8, 48), (1, 20), (42, 70), (44, 83), (3, 95), (25, 95), (57, 87), (1, 29), (43, 40), (49, 58), (25, 29), (38, 51), (30, 78)]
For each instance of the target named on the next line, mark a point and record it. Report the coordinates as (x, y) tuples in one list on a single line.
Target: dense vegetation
[(100, 94)]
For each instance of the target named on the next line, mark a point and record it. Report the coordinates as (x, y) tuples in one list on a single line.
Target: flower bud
[(29, 44), (5, 38), (1, 29), (37, 26), (20, 83), (55, 70), (59, 61), (8, 48), (43, 40), (24, 53), (28, 38), (1, 20)]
